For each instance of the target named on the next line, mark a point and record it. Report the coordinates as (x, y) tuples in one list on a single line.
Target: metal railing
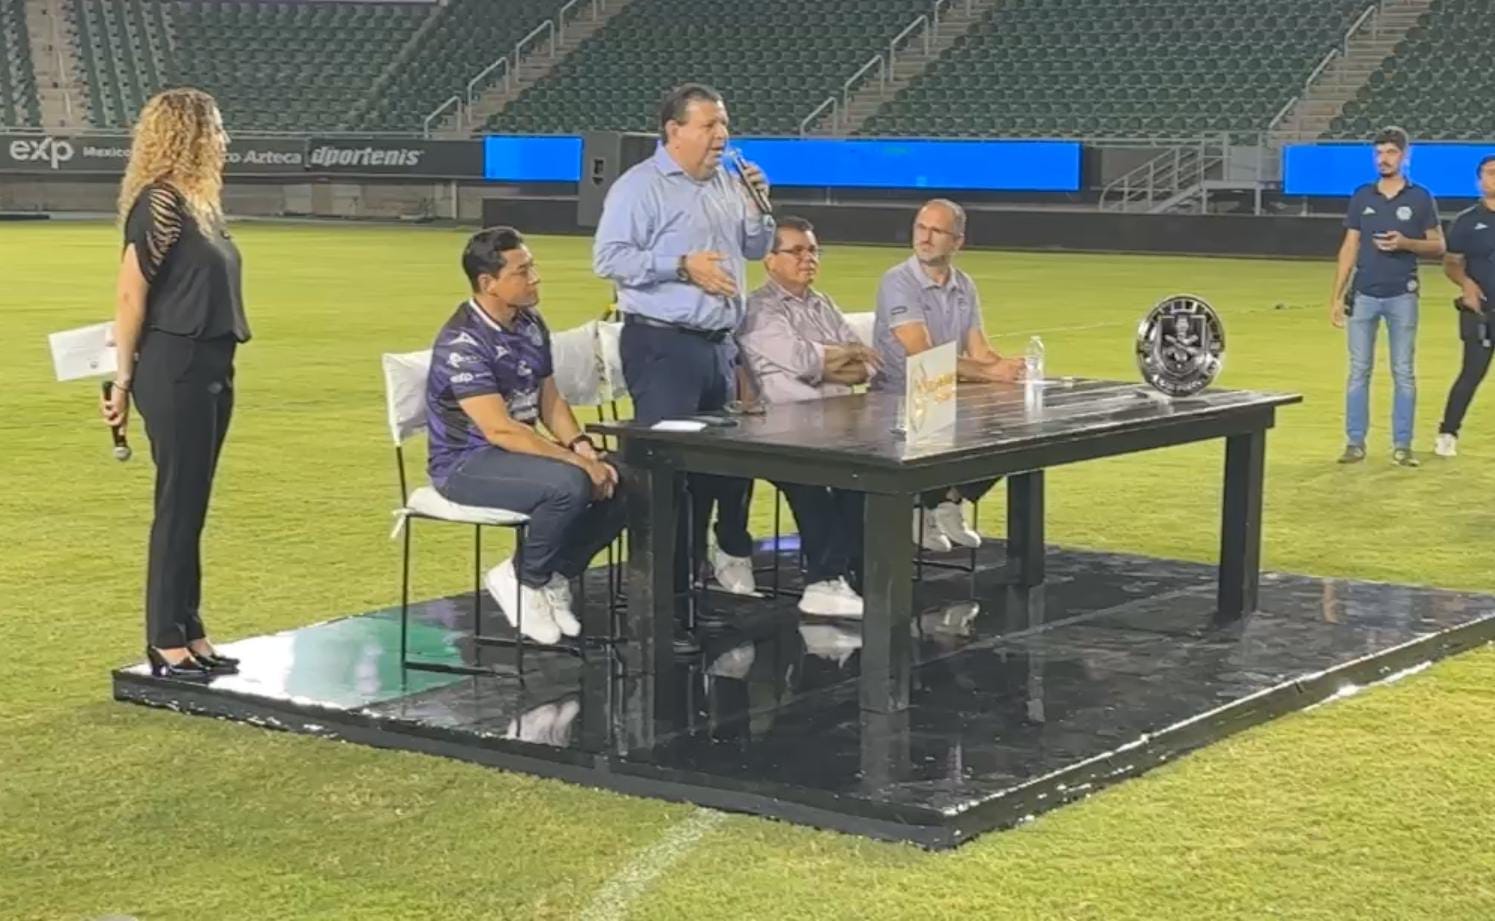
[(472, 84), (808, 120), (562, 13), (1282, 113), (546, 27), (929, 22), (920, 22), (1169, 178), (876, 62), (436, 113)]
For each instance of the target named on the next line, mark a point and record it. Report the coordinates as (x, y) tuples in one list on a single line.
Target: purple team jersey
[(474, 356)]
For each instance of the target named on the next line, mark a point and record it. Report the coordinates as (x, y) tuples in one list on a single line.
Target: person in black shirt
[(1470, 264), (179, 317)]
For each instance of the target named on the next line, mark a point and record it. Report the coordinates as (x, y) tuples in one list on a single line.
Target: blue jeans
[(1400, 314)]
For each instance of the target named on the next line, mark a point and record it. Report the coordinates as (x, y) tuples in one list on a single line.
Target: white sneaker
[(504, 586), (956, 525), (929, 536), (558, 591), (832, 642), (833, 598), (1447, 445), (734, 663), (733, 573)]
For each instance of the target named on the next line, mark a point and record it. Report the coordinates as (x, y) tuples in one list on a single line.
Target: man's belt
[(710, 335)]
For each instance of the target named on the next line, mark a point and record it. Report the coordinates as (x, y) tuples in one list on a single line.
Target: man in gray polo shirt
[(924, 302)]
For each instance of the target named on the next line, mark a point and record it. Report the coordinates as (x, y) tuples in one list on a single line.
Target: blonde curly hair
[(180, 141)]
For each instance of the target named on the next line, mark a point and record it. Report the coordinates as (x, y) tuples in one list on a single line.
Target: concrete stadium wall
[(372, 200), (1314, 237)]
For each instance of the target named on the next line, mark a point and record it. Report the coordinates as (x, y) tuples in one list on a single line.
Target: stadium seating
[(468, 36), (289, 66), (18, 102), (274, 66), (1118, 68), (775, 61), (1439, 81)]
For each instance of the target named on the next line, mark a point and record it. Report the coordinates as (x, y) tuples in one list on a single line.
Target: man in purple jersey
[(490, 383)]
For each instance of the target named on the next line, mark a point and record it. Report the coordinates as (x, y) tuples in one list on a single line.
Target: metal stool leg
[(405, 598)]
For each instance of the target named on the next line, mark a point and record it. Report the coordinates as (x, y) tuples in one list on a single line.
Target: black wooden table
[(1012, 431)]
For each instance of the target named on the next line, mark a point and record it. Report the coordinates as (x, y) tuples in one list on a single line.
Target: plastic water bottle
[(1033, 359)]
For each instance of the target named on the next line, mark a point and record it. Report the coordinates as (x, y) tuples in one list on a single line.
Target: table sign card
[(929, 393)]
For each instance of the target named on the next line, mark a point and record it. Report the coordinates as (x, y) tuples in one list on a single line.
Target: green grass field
[(1378, 806)]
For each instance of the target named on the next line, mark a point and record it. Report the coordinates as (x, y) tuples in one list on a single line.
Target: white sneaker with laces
[(558, 591), (733, 574), (832, 598), (929, 536), (1447, 445), (955, 524), (503, 585)]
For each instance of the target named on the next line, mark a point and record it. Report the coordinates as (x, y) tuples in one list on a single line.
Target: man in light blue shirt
[(675, 237)]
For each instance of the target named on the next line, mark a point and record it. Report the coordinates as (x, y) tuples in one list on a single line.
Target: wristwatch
[(578, 440), (680, 271)]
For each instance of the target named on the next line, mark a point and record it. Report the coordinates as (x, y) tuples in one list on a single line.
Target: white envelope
[(87, 351)]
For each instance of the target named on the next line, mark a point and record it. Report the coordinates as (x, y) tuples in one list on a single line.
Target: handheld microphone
[(121, 447), (765, 207)]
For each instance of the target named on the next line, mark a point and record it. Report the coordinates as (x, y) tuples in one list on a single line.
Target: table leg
[(888, 597), (1240, 525), (1025, 532), (652, 509)]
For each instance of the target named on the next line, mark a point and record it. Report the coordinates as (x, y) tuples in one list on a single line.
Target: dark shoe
[(219, 665), (1353, 454), (189, 669), (1403, 457), (686, 644), (216, 660), (713, 621)]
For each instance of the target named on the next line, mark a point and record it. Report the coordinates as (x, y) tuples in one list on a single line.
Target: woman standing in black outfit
[(178, 319)]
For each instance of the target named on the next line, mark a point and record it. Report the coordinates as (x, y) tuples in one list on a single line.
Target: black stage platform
[(1021, 699)]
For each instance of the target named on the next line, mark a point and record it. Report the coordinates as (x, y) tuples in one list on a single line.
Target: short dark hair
[(1391, 134), (675, 103), (790, 222), (1484, 162), (484, 253)]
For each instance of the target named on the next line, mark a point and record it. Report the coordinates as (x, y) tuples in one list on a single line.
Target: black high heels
[(217, 661), (189, 669)]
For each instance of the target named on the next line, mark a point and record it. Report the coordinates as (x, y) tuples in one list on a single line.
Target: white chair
[(580, 374), (576, 358), (862, 324), (405, 396)]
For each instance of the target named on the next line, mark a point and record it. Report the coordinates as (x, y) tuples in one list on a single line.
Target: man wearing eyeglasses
[(797, 346), (924, 302)]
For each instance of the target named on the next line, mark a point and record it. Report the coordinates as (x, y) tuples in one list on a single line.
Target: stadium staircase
[(907, 56), (1345, 73), (773, 60), (549, 44), (1123, 69), (460, 47), (1438, 82), (61, 95)]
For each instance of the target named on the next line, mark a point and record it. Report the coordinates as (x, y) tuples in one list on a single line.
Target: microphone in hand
[(121, 446), (757, 191)]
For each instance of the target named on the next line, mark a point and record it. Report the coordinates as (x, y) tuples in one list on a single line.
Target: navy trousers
[(673, 374), (566, 527)]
